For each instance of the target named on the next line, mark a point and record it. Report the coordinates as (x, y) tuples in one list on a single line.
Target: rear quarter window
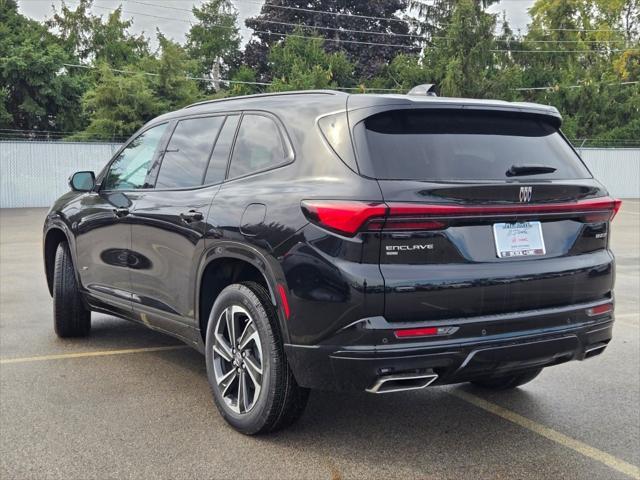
[(436, 145), (259, 146)]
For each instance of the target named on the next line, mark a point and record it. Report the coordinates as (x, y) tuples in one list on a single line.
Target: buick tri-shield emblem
[(525, 194)]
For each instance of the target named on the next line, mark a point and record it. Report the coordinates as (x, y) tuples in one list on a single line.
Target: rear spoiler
[(361, 106)]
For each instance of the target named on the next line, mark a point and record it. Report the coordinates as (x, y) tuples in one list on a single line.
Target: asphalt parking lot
[(131, 403)]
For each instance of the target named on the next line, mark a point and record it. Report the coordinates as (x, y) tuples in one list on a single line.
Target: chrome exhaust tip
[(594, 350), (402, 382)]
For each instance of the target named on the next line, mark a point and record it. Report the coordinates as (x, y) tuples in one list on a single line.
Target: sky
[(172, 17)]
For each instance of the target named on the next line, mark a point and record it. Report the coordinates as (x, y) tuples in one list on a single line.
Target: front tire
[(251, 382), (70, 316), (508, 382)]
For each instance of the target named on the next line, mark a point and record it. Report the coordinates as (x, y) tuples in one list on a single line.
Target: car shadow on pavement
[(423, 428)]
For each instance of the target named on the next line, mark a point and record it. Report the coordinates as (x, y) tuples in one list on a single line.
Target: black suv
[(324, 240)]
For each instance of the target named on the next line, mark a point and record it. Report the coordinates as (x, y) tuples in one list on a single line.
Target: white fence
[(34, 174), (617, 168)]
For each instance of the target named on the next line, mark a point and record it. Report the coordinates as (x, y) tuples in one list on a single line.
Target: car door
[(103, 231), (169, 222)]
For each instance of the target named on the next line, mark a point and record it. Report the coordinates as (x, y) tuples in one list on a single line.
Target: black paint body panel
[(147, 265)]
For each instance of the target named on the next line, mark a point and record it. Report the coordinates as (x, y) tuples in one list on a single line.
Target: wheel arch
[(234, 263)]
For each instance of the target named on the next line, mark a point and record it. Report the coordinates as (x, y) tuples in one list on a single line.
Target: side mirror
[(82, 181)]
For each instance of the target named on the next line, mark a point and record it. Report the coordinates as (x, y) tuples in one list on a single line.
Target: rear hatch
[(488, 212)]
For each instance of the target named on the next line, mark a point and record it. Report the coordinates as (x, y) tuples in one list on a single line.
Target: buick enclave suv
[(323, 240)]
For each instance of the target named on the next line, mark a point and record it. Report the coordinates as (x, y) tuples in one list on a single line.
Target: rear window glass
[(444, 145), (258, 146)]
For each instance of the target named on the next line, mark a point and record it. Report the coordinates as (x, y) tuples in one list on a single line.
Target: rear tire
[(70, 316), (509, 381), (253, 355)]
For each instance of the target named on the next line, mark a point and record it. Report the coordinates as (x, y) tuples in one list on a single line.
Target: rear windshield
[(444, 145)]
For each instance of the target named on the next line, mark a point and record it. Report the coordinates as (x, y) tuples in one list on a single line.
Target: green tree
[(301, 64), (171, 86), (93, 39), (38, 94), (589, 50), (115, 45), (462, 61), (214, 40), (243, 74), (343, 27), (403, 73), (75, 28), (118, 105)]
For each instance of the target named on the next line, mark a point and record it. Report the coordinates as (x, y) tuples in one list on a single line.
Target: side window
[(187, 154), (258, 146), (129, 170), (218, 163)]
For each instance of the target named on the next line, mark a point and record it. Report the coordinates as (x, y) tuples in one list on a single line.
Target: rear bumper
[(553, 336)]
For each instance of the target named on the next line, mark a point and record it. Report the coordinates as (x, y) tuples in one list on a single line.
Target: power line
[(564, 51), (375, 18), (521, 39), (346, 30), (319, 27), (340, 14), (552, 87), (211, 80), (356, 42), (405, 20), (202, 79), (397, 45)]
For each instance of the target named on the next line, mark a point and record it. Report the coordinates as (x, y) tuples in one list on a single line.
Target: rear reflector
[(600, 310), (416, 332), (349, 217), (285, 302)]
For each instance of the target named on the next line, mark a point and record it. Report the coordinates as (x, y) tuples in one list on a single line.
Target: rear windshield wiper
[(517, 170)]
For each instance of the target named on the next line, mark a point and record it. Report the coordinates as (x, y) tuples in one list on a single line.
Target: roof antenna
[(426, 89)]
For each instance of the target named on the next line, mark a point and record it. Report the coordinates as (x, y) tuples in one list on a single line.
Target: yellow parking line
[(576, 445), (61, 356)]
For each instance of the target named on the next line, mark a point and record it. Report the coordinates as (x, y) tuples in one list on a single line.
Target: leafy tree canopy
[(80, 72), (302, 64)]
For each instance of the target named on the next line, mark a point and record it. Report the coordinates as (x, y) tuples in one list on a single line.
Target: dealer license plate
[(522, 239)]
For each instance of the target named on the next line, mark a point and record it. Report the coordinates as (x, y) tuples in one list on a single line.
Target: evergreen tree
[(37, 92), (383, 39), (214, 41), (302, 64)]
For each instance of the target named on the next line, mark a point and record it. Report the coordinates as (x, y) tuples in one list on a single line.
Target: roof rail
[(274, 94)]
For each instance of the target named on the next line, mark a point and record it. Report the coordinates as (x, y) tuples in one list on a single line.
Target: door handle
[(121, 212), (191, 216)]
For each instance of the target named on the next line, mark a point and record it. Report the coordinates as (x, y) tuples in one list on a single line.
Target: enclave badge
[(525, 194)]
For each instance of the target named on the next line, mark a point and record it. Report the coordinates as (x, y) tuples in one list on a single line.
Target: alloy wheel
[(237, 359)]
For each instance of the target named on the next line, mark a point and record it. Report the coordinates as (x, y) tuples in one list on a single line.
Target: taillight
[(617, 203), (348, 217), (604, 205)]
